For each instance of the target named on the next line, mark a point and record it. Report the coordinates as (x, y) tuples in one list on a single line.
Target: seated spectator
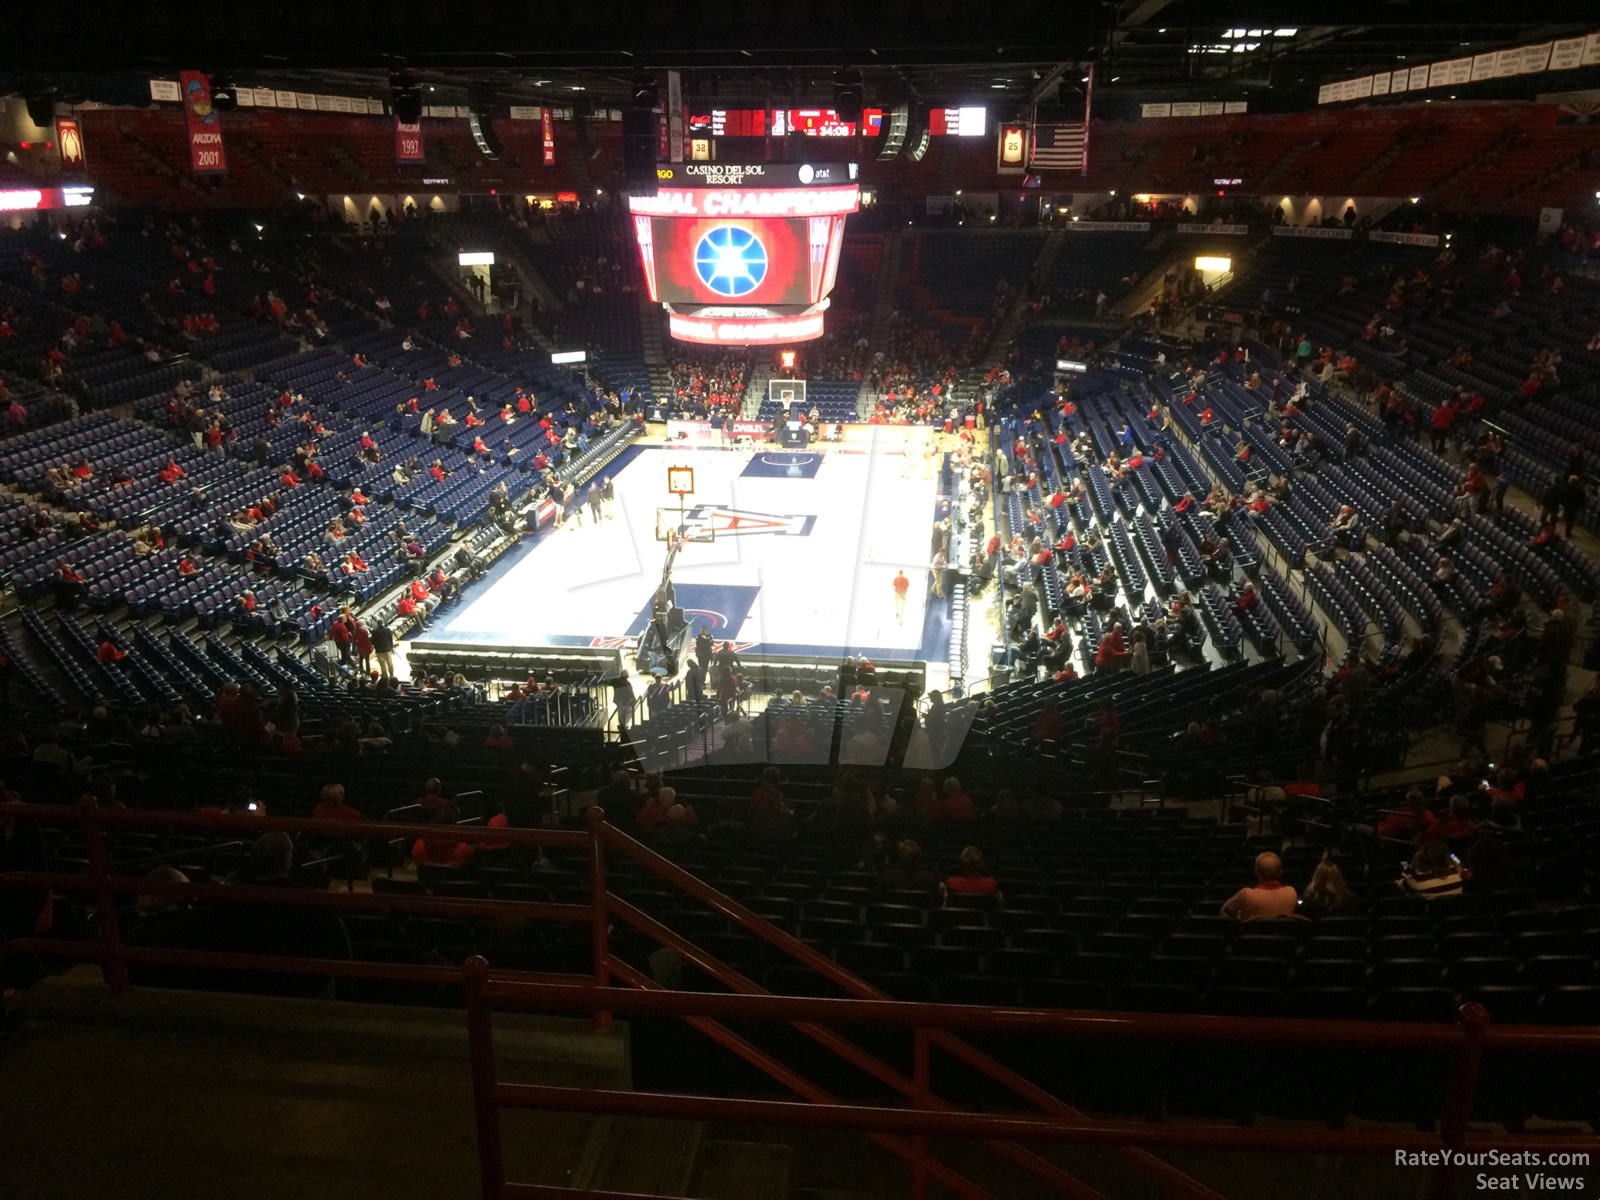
[(1327, 894), (954, 804), (498, 737), (1458, 824), (331, 806), (1270, 897), (1409, 820), (109, 652), (1432, 872), (440, 850), (678, 829), (767, 791), (909, 872), (654, 813), (433, 798), (974, 879)]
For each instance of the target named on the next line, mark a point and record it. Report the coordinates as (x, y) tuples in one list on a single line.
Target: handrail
[(837, 975), (932, 1024), (1468, 1039)]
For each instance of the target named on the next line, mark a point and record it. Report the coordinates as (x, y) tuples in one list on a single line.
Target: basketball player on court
[(902, 585)]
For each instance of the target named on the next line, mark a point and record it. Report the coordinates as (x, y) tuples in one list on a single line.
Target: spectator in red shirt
[(408, 608), (361, 640), (339, 635), (1457, 825), (331, 807), (954, 804), (974, 879), (109, 652), (171, 472), (1443, 417), (441, 850), (1409, 820)]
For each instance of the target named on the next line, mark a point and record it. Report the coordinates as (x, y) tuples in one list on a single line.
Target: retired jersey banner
[(407, 142), (206, 155), (70, 138), (548, 124)]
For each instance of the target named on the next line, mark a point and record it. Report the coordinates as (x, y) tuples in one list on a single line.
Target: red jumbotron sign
[(745, 331), (748, 202), (771, 253)]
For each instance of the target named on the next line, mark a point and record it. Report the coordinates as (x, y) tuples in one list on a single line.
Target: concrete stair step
[(639, 1156), (742, 1171)]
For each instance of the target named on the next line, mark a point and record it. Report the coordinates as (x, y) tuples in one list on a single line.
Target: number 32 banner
[(206, 155)]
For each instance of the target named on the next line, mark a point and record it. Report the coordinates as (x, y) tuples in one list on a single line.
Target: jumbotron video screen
[(744, 254)]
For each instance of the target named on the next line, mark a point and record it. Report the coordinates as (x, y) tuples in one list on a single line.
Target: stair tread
[(634, 1154), (742, 1171)]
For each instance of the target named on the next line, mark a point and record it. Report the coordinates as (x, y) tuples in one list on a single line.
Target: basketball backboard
[(784, 392), (694, 529)]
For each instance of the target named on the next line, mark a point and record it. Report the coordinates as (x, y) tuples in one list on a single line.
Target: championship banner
[(70, 138), (407, 142), (1228, 230), (206, 155), (675, 116), (548, 124)]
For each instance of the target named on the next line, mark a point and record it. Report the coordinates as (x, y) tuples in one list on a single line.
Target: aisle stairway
[(883, 301), (756, 390)]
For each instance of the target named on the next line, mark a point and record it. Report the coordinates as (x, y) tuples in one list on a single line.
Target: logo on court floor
[(741, 522)]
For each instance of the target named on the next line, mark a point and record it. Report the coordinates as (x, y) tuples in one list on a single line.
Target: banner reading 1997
[(407, 142), (206, 155)]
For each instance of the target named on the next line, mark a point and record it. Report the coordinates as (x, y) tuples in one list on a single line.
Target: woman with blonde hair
[(1327, 894)]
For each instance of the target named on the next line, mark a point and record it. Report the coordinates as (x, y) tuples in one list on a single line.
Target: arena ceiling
[(734, 52)]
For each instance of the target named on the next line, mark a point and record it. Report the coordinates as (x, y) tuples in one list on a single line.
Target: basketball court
[(784, 552)]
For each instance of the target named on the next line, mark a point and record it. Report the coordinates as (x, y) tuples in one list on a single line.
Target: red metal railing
[(903, 1132), (1466, 1042)]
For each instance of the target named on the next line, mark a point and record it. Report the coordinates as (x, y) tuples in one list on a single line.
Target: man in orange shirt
[(1270, 897), (902, 585)]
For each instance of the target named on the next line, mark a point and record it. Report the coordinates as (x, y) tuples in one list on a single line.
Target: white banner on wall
[(1564, 54), (1405, 239), (1108, 227), (1312, 231)]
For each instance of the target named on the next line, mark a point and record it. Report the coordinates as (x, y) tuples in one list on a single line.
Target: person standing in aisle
[(383, 649)]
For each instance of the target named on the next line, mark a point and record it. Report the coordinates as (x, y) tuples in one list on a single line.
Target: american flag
[(1057, 148)]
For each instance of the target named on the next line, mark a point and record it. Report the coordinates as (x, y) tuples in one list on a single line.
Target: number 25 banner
[(206, 155)]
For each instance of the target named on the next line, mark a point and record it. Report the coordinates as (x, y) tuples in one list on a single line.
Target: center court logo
[(731, 261), (741, 522)]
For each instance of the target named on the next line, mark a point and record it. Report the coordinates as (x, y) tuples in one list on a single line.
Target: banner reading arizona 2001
[(206, 155)]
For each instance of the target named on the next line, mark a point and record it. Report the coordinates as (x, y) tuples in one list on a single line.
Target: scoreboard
[(729, 122), (759, 122)]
